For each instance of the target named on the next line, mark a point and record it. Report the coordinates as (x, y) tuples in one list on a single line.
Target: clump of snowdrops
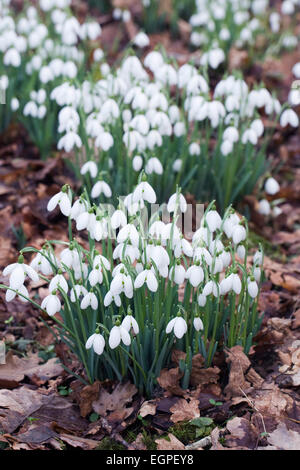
[(40, 48), (137, 291), (211, 142), (219, 25)]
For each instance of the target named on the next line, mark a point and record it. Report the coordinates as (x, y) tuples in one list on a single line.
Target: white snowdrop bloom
[(257, 274), (98, 55), (238, 234), (12, 57), (230, 222), (236, 283), (91, 168), (122, 282), (226, 147), (177, 165), (20, 292), (195, 275), (217, 265), (14, 104), (69, 141), (178, 325), (271, 186), (198, 324), (58, 281), (264, 207), (95, 276), (179, 129), (51, 304), (174, 114), (201, 235), (89, 300), (128, 232), (101, 187), (177, 200), (201, 253), (109, 298), (118, 334), (182, 246), (153, 165), (258, 258), (224, 34), (141, 40), (126, 16), (77, 291), (215, 247), (105, 141), (124, 250), (154, 139), (249, 136), (97, 342), (41, 264), (211, 287), (194, 149), (296, 70), (231, 134), (213, 58), (154, 60), (137, 163), (147, 276), (130, 322), (70, 257), (294, 97), (202, 300), (166, 74), (258, 127), (289, 117), (145, 192), (17, 273), (252, 288), (276, 211), (287, 7), (78, 208), (177, 274), (61, 199), (241, 251), (226, 285), (118, 219), (30, 109), (213, 220)]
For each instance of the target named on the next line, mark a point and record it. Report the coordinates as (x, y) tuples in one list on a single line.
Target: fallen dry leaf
[(171, 444), (114, 405), (185, 410), (169, 380), (241, 375), (284, 439)]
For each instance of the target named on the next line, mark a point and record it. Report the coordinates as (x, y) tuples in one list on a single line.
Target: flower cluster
[(139, 290), (218, 25)]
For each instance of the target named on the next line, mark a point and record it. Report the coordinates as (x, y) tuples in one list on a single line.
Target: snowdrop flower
[(230, 222), (249, 136), (271, 186), (202, 300), (226, 285), (236, 283), (153, 60), (296, 70), (117, 334), (289, 117), (241, 252), (194, 149), (198, 324), (178, 325), (17, 273), (21, 293), (95, 276), (89, 300), (58, 281), (118, 219), (109, 298), (41, 263), (141, 40), (130, 322), (252, 287), (153, 165), (77, 291), (238, 234), (211, 287), (122, 282), (137, 163), (226, 147), (177, 273), (195, 275), (51, 304), (68, 141), (145, 192), (182, 246), (264, 207), (99, 188), (91, 168), (177, 200), (97, 342), (63, 200), (213, 220), (147, 276)]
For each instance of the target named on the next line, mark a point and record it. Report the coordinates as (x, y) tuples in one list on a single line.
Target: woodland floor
[(240, 402)]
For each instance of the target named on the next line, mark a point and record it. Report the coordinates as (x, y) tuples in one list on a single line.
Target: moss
[(184, 431), (149, 440), (108, 444)]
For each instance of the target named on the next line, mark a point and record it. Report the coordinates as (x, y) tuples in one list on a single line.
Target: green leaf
[(200, 422)]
